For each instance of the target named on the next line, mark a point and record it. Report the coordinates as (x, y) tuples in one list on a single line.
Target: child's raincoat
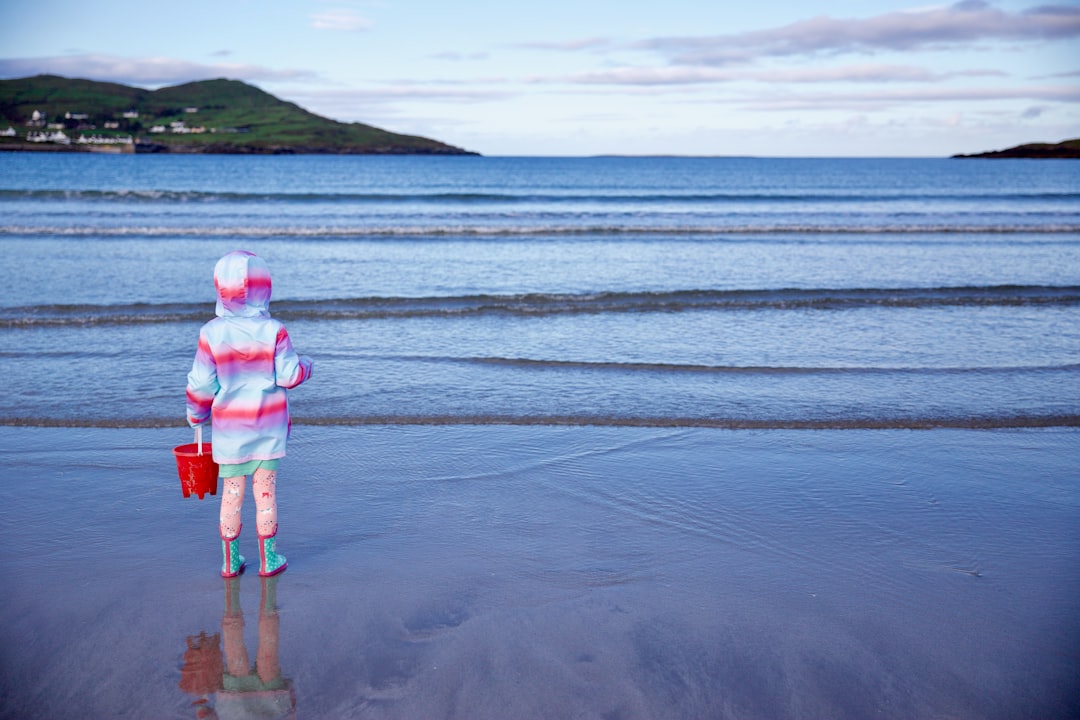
[(243, 367)]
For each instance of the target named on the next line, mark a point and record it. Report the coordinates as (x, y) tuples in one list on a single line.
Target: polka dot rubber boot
[(271, 561), (232, 561)]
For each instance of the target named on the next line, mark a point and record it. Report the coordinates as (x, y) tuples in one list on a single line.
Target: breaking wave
[(534, 227), (928, 422), (383, 198), (541, 304)]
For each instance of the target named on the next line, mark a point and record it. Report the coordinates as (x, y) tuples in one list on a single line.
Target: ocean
[(717, 292), (629, 438)]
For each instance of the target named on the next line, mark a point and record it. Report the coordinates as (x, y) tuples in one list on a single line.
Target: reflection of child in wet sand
[(241, 691), (243, 368)]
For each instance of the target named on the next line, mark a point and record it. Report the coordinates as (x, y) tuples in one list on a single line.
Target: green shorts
[(246, 468)]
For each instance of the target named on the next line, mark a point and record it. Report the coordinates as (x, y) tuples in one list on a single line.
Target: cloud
[(571, 45), (1073, 73), (458, 56), (868, 74), (685, 75), (672, 75), (349, 102), (865, 101), (343, 19), (964, 22), (389, 103), (144, 71)]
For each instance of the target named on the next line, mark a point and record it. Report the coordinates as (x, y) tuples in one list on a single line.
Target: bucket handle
[(198, 437)]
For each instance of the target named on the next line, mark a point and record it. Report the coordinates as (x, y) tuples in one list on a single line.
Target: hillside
[(211, 116), (1064, 149)]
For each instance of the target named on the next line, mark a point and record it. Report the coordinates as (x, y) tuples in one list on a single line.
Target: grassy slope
[(269, 124)]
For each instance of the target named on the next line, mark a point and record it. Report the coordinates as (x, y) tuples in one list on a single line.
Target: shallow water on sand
[(473, 527), (491, 572)]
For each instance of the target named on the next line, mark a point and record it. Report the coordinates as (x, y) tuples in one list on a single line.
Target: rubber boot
[(232, 561), (271, 562), (232, 599)]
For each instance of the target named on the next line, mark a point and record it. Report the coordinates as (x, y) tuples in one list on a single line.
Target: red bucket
[(198, 473)]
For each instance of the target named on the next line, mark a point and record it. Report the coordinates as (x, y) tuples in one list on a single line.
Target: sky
[(878, 78)]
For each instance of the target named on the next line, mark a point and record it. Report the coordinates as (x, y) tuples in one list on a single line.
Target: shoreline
[(1009, 422), (193, 149)]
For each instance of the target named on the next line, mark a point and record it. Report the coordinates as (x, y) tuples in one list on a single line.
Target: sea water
[(731, 292)]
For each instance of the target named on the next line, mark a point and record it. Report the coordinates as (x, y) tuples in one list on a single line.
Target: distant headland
[(1064, 149), (57, 114)]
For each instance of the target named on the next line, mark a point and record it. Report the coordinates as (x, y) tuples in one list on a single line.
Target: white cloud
[(395, 104), (361, 103), (962, 23), (868, 74), (687, 75), (381, 95), (672, 75), (1071, 74), (343, 19), (571, 45), (143, 71), (866, 101), (454, 56)]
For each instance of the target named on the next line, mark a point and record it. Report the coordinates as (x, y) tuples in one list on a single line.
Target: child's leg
[(232, 499), (264, 485)]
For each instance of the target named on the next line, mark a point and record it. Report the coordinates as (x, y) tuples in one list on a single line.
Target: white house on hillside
[(55, 137)]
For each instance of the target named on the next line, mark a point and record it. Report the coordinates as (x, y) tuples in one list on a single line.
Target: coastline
[(223, 149), (494, 571), (1003, 422)]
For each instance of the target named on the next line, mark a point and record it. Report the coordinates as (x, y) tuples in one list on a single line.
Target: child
[(242, 369)]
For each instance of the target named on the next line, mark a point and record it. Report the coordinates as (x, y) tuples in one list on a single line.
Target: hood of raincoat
[(242, 280)]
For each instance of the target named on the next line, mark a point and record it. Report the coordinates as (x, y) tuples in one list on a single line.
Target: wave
[(746, 369), (1040, 224), (920, 422), (541, 304), (583, 196)]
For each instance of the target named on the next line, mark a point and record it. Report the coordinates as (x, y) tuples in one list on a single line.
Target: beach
[(557, 572), (616, 438)]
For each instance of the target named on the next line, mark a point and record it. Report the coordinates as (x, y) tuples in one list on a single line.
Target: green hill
[(211, 116), (1064, 149)]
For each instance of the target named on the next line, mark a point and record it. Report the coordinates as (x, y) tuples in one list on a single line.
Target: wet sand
[(553, 572)]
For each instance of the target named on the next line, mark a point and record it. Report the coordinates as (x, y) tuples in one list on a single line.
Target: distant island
[(57, 114), (1064, 149)]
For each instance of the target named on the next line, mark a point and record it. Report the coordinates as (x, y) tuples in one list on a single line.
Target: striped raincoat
[(244, 366)]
